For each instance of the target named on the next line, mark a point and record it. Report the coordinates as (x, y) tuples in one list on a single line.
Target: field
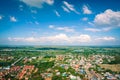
[(112, 67)]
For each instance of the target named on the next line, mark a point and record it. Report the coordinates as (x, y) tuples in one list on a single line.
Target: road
[(16, 61)]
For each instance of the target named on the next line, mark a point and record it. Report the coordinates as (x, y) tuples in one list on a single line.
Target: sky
[(60, 22)]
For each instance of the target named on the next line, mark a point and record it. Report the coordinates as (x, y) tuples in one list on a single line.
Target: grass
[(112, 67)]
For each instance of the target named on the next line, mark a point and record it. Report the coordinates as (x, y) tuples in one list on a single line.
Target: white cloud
[(37, 3), (13, 19), (70, 7), (33, 3), (65, 9), (64, 39), (66, 29), (1, 17), (59, 38), (81, 38), (57, 14), (85, 19), (51, 26), (91, 23), (50, 2), (29, 39), (86, 10), (106, 28), (93, 29), (105, 39), (98, 29), (108, 18)]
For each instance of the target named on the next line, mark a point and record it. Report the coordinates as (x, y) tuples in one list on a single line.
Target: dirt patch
[(112, 67)]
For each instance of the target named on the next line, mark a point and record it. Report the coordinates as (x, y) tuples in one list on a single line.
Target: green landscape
[(59, 63)]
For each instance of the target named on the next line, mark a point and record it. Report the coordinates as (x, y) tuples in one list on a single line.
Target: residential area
[(68, 63)]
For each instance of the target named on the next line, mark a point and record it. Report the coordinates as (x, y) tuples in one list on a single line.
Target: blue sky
[(59, 22)]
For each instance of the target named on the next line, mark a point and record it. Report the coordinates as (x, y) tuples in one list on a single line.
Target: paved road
[(16, 61)]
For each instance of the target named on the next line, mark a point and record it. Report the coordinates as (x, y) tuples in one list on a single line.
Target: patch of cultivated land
[(112, 67)]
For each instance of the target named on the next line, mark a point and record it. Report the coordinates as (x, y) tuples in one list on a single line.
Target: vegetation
[(45, 60), (116, 61)]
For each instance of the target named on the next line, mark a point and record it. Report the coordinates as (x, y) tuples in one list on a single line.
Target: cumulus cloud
[(37, 3), (66, 29), (57, 13), (105, 39), (92, 29), (63, 38), (70, 7), (86, 10), (81, 38), (50, 2), (56, 38), (108, 18), (59, 38), (13, 19)]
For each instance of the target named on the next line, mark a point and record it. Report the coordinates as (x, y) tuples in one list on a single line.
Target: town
[(59, 63)]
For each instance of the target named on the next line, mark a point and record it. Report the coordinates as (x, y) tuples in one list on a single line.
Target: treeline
[(116, 61)]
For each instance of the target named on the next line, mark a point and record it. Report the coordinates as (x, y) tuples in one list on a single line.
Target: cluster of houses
[(88, 66), (6, 58), (84, 68), (26, 72), (13, 71), (18, 72)]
